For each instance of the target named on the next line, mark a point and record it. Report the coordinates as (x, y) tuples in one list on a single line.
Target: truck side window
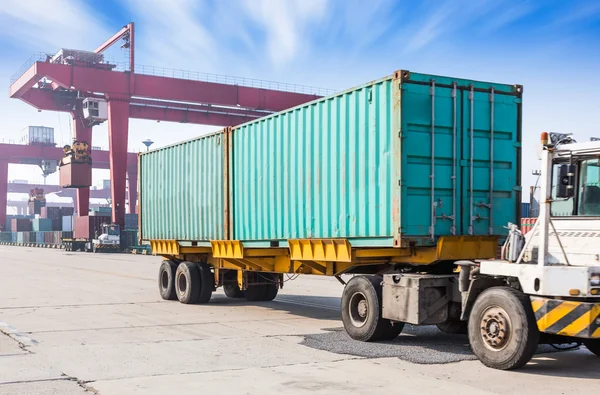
[(589, 188), (560, 207)]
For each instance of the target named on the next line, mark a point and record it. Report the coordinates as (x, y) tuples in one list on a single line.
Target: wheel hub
[(363, 309), (495, 328), (358, 309)]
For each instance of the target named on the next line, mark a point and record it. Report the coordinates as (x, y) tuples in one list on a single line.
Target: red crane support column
[(82, 133), (132, 197), (3, 193), (118, 129)]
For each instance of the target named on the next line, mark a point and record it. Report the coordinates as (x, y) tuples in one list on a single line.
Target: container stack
[(54, 215), (48, 228)]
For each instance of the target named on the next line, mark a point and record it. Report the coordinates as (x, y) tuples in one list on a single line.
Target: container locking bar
[(491, 204), (432, 175), (454, 159), (472, 101)]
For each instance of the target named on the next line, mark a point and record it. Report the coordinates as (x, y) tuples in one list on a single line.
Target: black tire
[(271, 286), (207, 283), (454, 327), (166, 280), (187, 282), (503, 331), (361, 310), (256, 293), (231, 287), (593, 345), (393, 330)]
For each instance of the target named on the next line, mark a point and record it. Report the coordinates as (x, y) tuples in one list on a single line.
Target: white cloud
[(37, 25), (285, 23), (173, 34)]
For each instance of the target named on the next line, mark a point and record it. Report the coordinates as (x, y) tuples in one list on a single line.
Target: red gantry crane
[(93, 90)]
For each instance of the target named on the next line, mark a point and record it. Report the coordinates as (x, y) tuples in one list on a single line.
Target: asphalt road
[(76, 323)]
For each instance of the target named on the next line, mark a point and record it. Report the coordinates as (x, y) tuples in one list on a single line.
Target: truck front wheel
[(593, 345), (361, 311), (502, 328)]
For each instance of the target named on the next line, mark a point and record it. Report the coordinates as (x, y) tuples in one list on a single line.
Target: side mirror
[(565, 183)]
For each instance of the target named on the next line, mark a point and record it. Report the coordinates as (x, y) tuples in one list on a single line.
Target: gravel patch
[(416, 344)]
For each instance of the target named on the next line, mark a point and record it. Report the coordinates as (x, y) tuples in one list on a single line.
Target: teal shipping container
[(183, 190), (41, 224), (396, 162)]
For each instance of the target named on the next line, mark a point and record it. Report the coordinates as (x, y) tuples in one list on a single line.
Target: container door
[(430, 145), (490, 161)]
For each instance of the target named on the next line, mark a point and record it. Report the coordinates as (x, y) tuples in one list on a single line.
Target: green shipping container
[(399, 161), (182, 190)]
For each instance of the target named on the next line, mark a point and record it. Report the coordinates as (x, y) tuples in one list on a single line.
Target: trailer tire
[(361, 310), (256, 293), (503, 331), (593, 345), (454, 327), (207, 283), (187, 282), (230, 285), (166, 280), (271, 288)]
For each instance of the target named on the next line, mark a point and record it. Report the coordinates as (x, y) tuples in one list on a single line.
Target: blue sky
[(551, 47)]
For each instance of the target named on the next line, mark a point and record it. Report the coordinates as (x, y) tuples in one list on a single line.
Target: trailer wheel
[(361, 310), (166, 280), (187, 282), (207, 283), (454, 327), (593, 345), (272, 288), (231, 287), (502, 328), (256, 293)]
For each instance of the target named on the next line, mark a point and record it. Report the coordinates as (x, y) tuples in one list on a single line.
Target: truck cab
[(554, 271), (109, 240)]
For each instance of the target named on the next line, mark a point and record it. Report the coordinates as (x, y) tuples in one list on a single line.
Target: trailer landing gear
[(502, 328), (361, 311)]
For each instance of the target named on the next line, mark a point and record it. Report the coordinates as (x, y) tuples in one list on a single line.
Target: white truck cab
[(109, 240)]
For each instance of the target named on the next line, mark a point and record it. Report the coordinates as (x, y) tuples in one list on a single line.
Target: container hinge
[(399, 183), (471, 94), (482, 204)]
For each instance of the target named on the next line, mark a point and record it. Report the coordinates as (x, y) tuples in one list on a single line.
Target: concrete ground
[(73, 323)]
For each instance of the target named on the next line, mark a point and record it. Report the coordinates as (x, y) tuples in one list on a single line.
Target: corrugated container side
[(131, 221), (41, 225), (67, 224), (182, 191), (67, 211), (322, 170), (385, 164), (86, 227), (20, 225)]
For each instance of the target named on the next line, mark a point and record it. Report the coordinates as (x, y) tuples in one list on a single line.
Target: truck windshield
[(589, 187), (586, 201), (113, 231)]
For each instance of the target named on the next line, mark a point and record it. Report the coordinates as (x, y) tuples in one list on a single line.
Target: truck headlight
[(595, 280)]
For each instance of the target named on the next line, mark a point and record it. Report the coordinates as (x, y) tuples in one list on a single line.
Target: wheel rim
[(182, 282), (164, 280), (358, 309), (495, 328)]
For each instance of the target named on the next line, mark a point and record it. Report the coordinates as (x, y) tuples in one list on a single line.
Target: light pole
[(147, 143)]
